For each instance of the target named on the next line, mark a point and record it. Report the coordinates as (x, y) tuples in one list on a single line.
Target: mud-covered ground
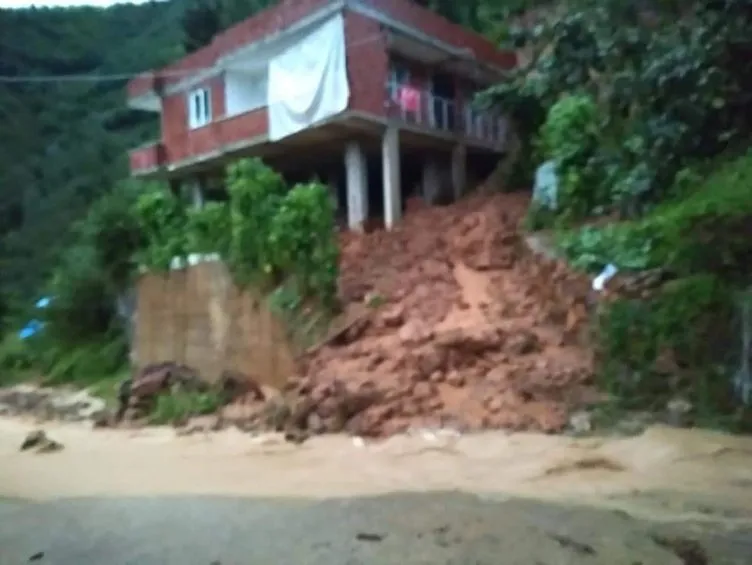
[(148, 497), (435, 529)]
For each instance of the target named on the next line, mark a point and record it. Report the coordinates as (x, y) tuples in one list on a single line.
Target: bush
[(302, 240), (704, 230), (256, 192)]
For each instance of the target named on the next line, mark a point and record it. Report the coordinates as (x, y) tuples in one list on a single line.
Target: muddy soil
[(596, 500), (467, 328)]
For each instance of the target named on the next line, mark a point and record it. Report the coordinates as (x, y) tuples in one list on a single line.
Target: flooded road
[(487, 498)]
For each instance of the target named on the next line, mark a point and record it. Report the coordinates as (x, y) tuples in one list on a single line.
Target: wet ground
[(146, 497), (436, 529)]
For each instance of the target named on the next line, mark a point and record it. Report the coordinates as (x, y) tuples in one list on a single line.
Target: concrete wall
[(198, 317)]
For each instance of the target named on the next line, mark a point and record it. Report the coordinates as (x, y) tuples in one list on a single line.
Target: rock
[(40, 443), (102, 419), (679, 412), (455, 379), (296, 436), (581, 422), (393, 317), (429, 360), (199, 425), (33, 439), (522, 343), (50, 446), (315, 424), (414, 333)]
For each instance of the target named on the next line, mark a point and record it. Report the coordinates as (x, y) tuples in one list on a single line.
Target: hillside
[(63, 143)]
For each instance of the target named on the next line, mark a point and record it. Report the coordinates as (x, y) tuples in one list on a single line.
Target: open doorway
[(443, 92)]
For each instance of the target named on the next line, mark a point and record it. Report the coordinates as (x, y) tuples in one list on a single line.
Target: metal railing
[(422, 108)]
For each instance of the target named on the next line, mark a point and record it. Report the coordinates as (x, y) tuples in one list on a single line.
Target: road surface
[(110, 498)]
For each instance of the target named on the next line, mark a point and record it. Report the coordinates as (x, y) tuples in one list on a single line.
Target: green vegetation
[(179, 406), (644, 111), (279, 239)]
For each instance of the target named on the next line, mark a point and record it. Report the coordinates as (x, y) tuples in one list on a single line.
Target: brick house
[(371, 96)]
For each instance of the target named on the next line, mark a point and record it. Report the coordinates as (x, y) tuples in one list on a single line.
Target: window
[(245, 92), (199, 108)]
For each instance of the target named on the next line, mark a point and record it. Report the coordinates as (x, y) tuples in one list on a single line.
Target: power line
[(116, 77)]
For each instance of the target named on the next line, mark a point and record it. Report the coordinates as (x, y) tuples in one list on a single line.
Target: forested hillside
[(63, 142)]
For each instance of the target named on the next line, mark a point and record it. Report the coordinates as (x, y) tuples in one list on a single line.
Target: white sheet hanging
[(308, 80)]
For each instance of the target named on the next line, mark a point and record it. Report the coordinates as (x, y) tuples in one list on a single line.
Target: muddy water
[(663, 474)]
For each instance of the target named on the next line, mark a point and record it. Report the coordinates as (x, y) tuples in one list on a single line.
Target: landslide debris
[(471, 330)]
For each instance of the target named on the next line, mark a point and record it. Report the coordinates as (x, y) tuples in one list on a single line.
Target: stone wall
[(197, 316)]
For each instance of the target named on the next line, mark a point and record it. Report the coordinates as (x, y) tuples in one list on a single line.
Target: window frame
[(199, 105)]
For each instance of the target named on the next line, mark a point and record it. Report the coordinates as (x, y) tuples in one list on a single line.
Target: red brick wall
[(147, 157), (263, 24), (367, 63), (436, 26)]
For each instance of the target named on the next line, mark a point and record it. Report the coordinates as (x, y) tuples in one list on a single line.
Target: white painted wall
[(245, 91)]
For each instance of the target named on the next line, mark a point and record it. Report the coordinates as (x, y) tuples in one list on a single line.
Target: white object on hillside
[(546, 187), (191, 260), (599, 282)]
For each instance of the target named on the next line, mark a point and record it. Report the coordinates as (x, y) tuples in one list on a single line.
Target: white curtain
[(308, 80)]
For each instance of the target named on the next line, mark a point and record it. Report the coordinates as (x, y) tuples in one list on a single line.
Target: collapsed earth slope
[(465, 327)]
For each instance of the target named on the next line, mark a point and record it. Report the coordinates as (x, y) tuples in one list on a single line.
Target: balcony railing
[(422, 108)]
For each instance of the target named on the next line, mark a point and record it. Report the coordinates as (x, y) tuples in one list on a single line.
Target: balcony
[(422, 109), (147, 158)]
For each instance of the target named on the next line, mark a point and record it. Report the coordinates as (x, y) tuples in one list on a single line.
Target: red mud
[(471, 330)]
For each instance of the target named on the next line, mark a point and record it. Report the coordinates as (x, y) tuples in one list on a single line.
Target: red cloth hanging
[(409, 98)]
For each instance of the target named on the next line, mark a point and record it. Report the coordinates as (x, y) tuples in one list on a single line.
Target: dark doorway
[(444, 95)]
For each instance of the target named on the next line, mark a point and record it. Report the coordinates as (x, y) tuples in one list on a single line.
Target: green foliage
[(65, 143), (178, 406), (701, 238), (162, 219), (704, 229), (209, 229), (303, 243), (256, 192), (569, 137), (267, 233), (16, 358), (670, 84), (692, 319)]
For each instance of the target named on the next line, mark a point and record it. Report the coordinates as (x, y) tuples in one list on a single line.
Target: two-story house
[(373, 96)]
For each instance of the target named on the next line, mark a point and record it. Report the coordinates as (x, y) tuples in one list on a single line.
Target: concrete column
[(431, 180), (459, 171), (357, 186), (196, 188), (390, 155)]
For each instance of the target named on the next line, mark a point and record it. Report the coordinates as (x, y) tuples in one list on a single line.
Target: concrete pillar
[(431, 180), (196, 188), (357, 186), (390, 155), (459, 171)]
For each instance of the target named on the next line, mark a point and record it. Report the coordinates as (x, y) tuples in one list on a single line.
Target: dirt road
[(125, 497)]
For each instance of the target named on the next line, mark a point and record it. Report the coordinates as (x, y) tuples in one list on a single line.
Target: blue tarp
[(33, 327)]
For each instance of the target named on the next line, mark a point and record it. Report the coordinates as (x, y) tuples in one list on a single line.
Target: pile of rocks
[(45, 403), (434, 352)]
